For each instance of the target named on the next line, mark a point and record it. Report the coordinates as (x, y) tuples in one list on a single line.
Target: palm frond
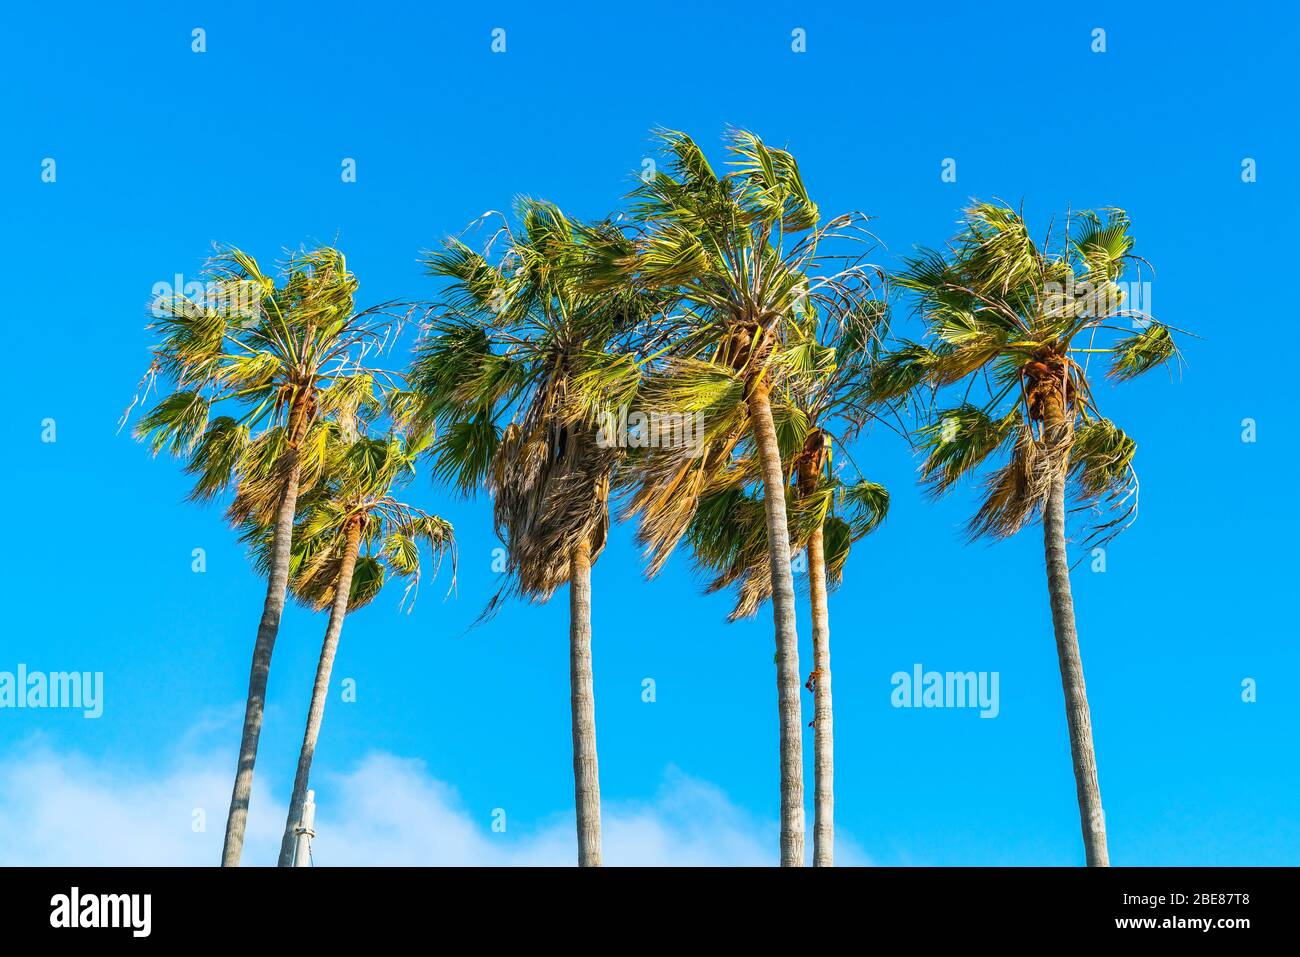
[(1141, 352)]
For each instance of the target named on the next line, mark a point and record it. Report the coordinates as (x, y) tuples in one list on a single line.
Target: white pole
[(302, 853)]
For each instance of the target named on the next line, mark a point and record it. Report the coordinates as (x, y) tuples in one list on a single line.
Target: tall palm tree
[(498, 371), (740, 254), (352, 509), (821, 400), (867, 502), (281, 358), (831, 397), (1020, 323), (728, 537)]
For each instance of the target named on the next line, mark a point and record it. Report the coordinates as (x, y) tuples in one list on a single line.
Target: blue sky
[(161, 151)]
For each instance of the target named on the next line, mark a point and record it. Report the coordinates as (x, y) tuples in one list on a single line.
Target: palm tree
[(513, 339), (740, 254), (868, 503), (282, 359), (728, 537), (830, 395), (352, 509), (824, 387), (1021, 322)]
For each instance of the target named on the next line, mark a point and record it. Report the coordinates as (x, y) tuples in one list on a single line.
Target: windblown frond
[(1006, 317), (1142, 352), (1101, 461), (959, 440)]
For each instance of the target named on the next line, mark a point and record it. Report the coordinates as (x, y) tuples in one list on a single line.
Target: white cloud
[(58, 808)]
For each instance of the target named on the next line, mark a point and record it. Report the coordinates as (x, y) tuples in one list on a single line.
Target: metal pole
[(305, 831)]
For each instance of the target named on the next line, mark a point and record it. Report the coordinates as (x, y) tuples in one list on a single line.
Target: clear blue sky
[(161, 151)]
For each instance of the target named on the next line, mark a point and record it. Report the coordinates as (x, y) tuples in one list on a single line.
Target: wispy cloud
[(63, 808)]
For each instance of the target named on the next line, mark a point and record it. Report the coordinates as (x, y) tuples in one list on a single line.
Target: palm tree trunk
[(1091, 816), (582, 701), (272, 608), (320, 691), (783, 615), (823, 724)]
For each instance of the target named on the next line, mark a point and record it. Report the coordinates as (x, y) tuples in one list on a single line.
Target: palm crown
[(821, 400), (513, 339), (1024, 321), (738, 259), (277, 360), (356, 493)]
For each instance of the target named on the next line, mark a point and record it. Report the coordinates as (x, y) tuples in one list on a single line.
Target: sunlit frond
[(959, 440), (1142, 352), (176, 423), (1101, 460)]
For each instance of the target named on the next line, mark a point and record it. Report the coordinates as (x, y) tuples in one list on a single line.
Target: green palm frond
[(867, 504), (728, 534), (959, 440), (176, 423), (367, 582), (216, 456), (770, 185), (901, 371), (350, 397), (687, 161), (673, 255), (412, 418), (728, 537), (605, 383), (249, 373), (837, 543), (1101, 460), (792, 427), (455, 369), (998, 254), (464, 452), (402, 553), (1141, 352), (1104, 245)]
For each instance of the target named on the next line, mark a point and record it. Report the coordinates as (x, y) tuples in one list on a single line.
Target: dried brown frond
[(550, 490), (1015, 492)]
